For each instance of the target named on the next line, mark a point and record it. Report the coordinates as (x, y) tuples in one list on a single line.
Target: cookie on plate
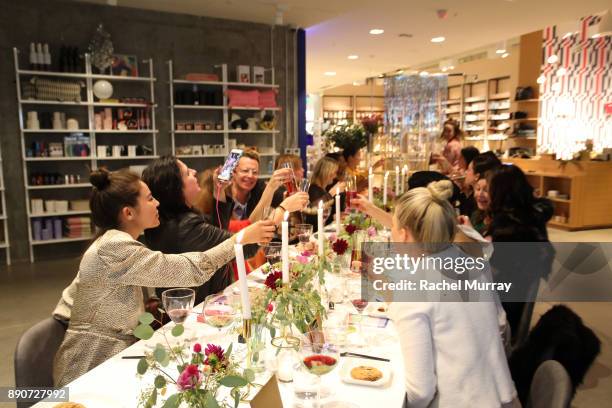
[(69, 405), (366, 373)]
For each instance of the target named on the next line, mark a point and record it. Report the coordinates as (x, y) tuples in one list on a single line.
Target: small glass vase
[(341, 263), (256, 344), (287, 356)]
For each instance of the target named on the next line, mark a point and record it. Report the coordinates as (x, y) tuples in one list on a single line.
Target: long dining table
[(115, 383)]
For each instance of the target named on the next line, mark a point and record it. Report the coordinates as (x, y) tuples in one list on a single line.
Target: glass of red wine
[(290, 183), (178, 303), (319, 357), (360, 303), (303, 232), (351, 190), (272, 251)]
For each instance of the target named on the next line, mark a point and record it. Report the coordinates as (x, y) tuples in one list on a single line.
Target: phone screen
[(230, 165)]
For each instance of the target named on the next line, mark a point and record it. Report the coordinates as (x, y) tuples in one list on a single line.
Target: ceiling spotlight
[(353, 57), (376, 31), (330, 73), (444, 69), (381, 75), (451, 67), (400, 72), (356, 83), (553, 59), (561, 71), (423, 73), (438, 39), (541, 79), (505, 55)]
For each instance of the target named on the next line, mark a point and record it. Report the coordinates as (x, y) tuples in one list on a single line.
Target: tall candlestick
[(337, 211), (404, 173), (242, 277), (397, 181), (385, 180), (370, 186), (285, 248), (320, 233)]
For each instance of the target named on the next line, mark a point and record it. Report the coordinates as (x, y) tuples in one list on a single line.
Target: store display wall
[(194, 44), (574, 91)]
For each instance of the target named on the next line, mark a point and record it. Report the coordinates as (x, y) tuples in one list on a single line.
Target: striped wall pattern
[(572, 105)]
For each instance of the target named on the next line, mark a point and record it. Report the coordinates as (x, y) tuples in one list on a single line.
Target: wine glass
[(178, 302), (218, 311), (304, 185), (359, 238), (360, 303), (290, 184), (303, 232), (272, 251), (319, 357), (351, 190)]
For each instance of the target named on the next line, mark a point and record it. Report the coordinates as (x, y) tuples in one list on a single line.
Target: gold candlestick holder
[(246, 329)]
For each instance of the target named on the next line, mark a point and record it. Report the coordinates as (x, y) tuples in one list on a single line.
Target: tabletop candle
[(371, 186), (337, 211), (404, 173), (285, 248), (397, 181), (242, 277), (385, 180), (320, 228)]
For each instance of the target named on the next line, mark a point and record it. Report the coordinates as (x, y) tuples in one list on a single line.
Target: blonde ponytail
[(428, 215)]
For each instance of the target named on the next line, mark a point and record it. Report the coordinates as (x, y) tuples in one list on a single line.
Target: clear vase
[(287, 356), (256, 344)]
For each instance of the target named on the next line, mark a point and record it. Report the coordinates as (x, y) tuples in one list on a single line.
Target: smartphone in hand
[(230, 164)]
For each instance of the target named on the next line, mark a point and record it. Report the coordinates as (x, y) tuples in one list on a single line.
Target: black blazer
[(187, 232)]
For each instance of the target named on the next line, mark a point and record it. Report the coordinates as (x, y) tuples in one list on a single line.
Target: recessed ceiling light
[(500, 51), (356, 83), (438, 39), (505, 55), (451, 67), (381, 75), (376, 31), (400, 72), (552, 59), (353, 57), (423, 73), (330, 73)]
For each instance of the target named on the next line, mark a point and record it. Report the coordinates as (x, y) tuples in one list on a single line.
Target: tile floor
[(30, 291)]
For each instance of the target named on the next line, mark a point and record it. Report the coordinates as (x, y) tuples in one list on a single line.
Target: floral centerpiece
[(202, 372), (378, 200), (343, 136)]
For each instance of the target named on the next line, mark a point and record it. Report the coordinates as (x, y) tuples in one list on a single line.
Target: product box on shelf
[(258, 75), (243, 74)]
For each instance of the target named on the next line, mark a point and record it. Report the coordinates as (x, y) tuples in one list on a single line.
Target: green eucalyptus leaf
[(160, 381), (249, 374), (210, 401), (152, 400), (228, 352), (143, 332), (146, 318), (160, 354), (236, 394), (172, 401), (232, 381), (178, 330), (143, 366)]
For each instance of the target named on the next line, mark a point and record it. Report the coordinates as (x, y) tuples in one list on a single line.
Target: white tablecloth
[(115, 382)]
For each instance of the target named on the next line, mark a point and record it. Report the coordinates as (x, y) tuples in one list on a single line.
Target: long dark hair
[(111, 193), (163, 177), (510, 191), (457, 132), (484, 162)]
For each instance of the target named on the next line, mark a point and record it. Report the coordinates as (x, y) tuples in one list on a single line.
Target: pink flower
[(371, 231), (332, 237), (190, 378), (270, 307), (307, 253), (302, 259), (215, 356), (197, 348)]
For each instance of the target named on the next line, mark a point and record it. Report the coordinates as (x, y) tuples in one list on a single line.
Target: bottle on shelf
[(33, 57), (47, 57), (40, 57)]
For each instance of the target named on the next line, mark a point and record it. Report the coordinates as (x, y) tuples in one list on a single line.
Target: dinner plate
[(351, 362), (97, 400)]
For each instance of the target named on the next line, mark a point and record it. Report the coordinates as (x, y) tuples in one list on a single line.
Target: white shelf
[(37, 102), (3, 245), (123, 78), (195, 132), (208, 107), (252, 131), (2, 217), (56, 131), (57, 186), (185, 81), (51, 73), (247, 85), (256, 108), (126, 131), (61, 240), (122, 105), (199, 156), (63, 158), (127, 158), (58, 214)]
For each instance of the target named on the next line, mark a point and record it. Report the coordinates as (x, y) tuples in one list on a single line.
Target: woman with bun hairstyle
[(115, 267), (452, 350)]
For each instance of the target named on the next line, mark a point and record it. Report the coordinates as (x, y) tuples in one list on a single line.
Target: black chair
[(35, 353), (551, 387)]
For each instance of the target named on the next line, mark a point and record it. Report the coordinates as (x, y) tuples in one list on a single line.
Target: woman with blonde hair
[(452, 351), (324, 172)]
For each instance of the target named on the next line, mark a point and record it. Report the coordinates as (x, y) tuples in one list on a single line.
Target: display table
[(587, 184), (116, 384)]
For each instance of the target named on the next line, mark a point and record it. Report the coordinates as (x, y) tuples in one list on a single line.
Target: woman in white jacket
[(452, 351)]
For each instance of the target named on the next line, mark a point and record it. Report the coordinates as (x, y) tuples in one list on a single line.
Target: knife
[(349, 354)]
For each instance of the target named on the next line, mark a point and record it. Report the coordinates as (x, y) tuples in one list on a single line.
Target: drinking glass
[(290, 184), (303, 232), (272, 251), (178, 303), (304, 185), (351, 190), (219, 311), (359, 238), (360, 303), (319, 357)]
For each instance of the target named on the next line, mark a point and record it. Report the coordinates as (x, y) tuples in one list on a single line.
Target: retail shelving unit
[(4, 240), (213, 145), (75, 170)]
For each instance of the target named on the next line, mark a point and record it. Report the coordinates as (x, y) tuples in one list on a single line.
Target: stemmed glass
[(218, 311), (303, 232), (319, 357), (272, 251), (290, 184), (178, 303), (360, 303), (351, 190)]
